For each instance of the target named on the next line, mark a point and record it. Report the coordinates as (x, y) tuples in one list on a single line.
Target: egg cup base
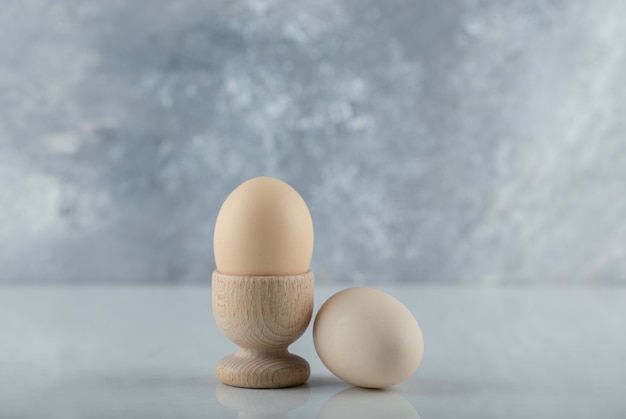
[(263, 371)]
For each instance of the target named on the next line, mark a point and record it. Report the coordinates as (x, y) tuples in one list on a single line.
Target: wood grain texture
[(262, 315)]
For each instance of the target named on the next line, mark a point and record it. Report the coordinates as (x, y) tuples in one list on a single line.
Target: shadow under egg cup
[(257, 403), (262, 315)]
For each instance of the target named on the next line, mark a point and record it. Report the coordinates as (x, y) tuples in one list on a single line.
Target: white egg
[(368, 338)]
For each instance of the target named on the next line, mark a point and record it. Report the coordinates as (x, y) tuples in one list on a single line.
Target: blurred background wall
[(434, 141)]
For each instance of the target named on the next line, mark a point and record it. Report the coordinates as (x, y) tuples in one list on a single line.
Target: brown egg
[(263, 228)]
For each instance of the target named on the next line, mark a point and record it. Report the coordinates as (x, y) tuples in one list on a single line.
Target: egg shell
[(368, 338), (264, 227)]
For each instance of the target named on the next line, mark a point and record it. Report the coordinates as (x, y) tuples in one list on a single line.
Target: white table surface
[(150, 352)]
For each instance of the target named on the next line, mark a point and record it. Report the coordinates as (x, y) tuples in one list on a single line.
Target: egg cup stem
[(262, 315)]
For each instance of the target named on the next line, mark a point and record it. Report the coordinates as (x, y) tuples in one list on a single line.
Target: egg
[(264, 227), (368, 338)]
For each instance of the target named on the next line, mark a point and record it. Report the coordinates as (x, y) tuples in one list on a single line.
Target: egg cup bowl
[(262, 315)]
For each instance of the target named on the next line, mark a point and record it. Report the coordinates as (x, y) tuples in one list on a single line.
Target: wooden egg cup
[(262, 315)]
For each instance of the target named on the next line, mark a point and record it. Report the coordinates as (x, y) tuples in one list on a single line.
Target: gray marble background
[(437, 141)]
